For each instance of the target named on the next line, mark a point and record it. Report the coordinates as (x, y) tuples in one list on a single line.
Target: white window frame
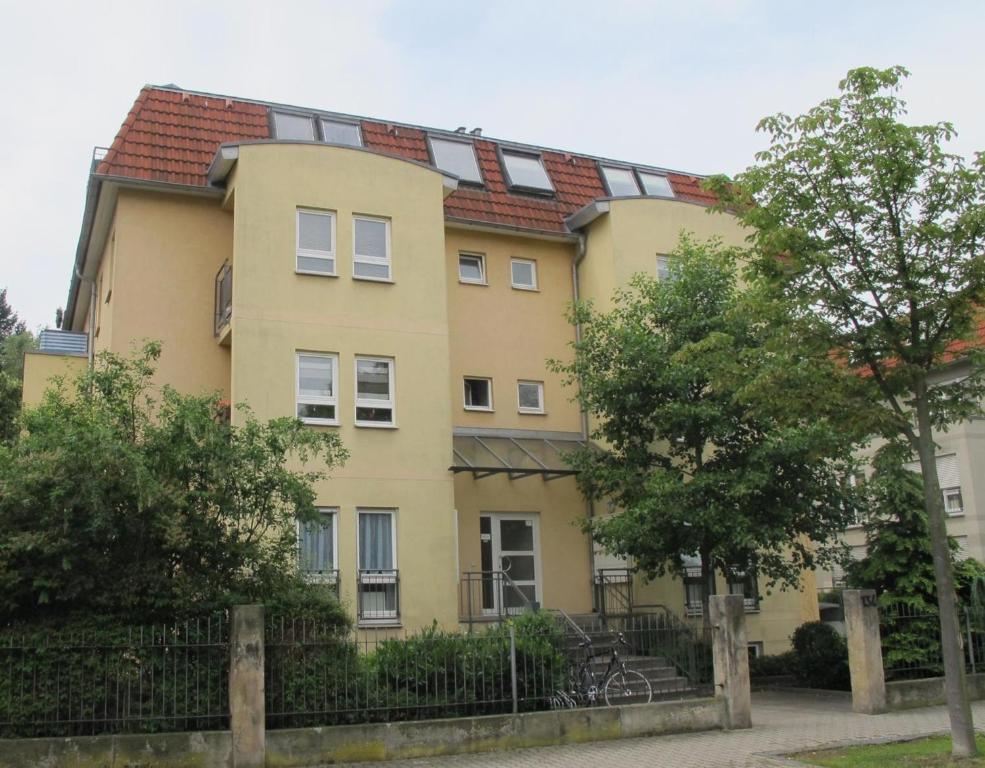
[(509, 153), (489, 389), (663, 267), (386, 617), (312, 253), (391, 403), (953, 490), (520, 286), (540, 396), (315, 577), (622, 169), (309, 118), (482, 268), (475, 159), (641, 181), (335, 121), (378, 261), (321, 399)]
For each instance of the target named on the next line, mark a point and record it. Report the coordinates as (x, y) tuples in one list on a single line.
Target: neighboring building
[(403, 286)]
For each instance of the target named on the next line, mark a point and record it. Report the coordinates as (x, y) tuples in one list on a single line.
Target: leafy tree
[(114, 500), (689, 453), (875, 232), (10, 324), (15, 340)]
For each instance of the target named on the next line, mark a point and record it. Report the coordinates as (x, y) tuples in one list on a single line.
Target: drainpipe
[(92, 315)]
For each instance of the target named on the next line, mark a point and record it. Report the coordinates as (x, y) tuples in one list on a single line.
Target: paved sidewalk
[(782, 723)]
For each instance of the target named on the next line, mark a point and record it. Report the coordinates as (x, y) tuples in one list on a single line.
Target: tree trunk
[(708, 586), (958, 708)]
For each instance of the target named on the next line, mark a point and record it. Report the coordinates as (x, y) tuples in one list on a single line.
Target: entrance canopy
[(484, 455)]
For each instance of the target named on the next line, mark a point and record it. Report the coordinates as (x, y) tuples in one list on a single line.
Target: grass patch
[(933, 752)]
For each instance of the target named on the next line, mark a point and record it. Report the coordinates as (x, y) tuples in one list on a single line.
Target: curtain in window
[(316, 545), (375, 541)]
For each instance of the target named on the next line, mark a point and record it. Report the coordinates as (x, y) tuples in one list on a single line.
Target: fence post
[(971, 645), (731, 658), (247, 720), (513, 665), (864, 651)]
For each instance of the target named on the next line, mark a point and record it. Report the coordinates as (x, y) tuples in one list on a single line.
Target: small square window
[(294, 127), (317, 398), (523, 274), (478, 394), (953, 502), (457, 157), (315, 251), (371, 248), (472, 268), (530, 396), (340, 132), (526, 172), (656, 185), (375, 406), (620, 181)]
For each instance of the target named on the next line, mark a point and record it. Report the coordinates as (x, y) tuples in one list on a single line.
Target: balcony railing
[(614, 591), (490, 596), (329, 578), (223, 297), (378, 596)]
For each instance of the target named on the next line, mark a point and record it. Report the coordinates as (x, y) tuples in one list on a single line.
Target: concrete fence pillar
[(247, 717), (730, 654), (864, 651)]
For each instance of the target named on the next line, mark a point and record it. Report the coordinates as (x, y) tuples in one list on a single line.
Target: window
[(340, 132), (318, 546), (743, 582), (374, 392), (953, 503), (472, 268), (371, 248), (530, 396), (478, 394), (457, 157), (949, 478), (526, 172), (523, 274), (317, 397), (378, 598), (656, 185), (693, 586), (296, 127), (755, 649), (315, 242), (620, 181), (663, 267)]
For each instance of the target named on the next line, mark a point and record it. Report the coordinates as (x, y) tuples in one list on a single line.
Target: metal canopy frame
[(504, 467)]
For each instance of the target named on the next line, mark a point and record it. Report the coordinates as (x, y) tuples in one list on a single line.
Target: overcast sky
[(677, 84)]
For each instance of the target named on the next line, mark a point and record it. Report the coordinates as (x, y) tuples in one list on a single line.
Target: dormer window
[(457, 157), (620, 181), (294, 127), (656, 184), (341, 132), (526, 172)]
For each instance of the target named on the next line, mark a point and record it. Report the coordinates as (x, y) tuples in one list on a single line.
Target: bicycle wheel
[(627, 686)]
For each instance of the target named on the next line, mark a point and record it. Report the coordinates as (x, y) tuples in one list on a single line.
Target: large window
[(378, 597), (375, 406), (318, 546), (620, 181), (315, 242), (293, 127), (472, 268), (371, 248), (530, 396), (317, 396), (523, 274), (526, 172), (341, 132), (457, 157), (742, 582), (478, 394), (656, 185)]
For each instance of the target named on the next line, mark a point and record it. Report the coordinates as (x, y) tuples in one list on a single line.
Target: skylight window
[(620, 181), (656, 184), (341, 132), (296, 127), (526, 172), (457, 157)]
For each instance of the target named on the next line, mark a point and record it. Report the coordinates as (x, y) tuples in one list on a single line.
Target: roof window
[(526, 172), (294, 127), (656, 184), (620, 181), (341, 132), (457, 157)]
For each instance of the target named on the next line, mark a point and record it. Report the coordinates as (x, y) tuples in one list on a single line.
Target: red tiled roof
[(172, 136)]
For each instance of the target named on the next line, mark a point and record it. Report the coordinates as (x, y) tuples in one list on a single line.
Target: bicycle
[(619, 684)]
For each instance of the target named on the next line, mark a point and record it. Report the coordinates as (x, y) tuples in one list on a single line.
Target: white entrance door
[(514, 544)]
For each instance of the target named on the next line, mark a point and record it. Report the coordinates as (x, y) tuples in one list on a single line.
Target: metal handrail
[(571, 623), (502, 582)]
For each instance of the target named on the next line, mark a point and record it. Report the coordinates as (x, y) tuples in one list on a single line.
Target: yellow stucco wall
[(507, 334), (40, 368), (277, 312)]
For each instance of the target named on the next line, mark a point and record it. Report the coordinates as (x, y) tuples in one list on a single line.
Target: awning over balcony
[(486, 455)]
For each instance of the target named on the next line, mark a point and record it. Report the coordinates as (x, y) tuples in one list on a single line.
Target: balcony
[(490, 596), (223, 303), (378, 596)]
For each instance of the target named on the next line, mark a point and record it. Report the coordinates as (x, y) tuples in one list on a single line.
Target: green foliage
[(115, 501), (777, 665), (685, 380), (820, 657), (15, 340)]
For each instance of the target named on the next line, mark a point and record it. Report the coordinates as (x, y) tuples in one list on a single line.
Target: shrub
[(820, 657), (772, 666)]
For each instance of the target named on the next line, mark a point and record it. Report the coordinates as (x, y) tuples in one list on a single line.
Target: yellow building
[(403, 286)]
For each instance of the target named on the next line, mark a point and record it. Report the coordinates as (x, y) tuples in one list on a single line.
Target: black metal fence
[(911, 642), (164, 677)]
